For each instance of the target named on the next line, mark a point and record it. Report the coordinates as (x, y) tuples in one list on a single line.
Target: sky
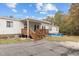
[(33, 10)]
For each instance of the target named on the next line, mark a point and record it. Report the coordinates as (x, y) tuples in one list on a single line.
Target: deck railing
[(38, 34)]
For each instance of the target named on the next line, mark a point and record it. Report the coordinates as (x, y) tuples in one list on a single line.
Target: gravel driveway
[(39, 48)]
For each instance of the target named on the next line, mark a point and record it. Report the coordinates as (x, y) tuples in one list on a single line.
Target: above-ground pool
[(55, 35)]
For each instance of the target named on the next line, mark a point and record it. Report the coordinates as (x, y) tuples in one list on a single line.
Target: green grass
[(9, 41), (64, 38)]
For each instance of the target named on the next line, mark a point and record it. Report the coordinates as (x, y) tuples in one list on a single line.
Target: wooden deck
[(36, 35)]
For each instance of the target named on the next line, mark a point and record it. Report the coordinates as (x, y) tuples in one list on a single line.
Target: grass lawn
[(9, 41), (64, 38)]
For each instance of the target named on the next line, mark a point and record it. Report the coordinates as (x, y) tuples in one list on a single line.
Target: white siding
[(54, 29), (16, 29), (17, 26), (44, 25), (32, 24)]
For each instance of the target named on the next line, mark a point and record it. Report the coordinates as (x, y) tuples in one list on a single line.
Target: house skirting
[(9, 36)]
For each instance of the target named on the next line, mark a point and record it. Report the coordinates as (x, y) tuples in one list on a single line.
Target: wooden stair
[(42, 32), (36, 35)]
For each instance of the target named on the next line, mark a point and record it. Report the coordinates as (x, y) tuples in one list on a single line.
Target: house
[(11, 26)]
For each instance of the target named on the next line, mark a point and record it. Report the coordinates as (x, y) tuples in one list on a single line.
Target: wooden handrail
[(36, 35)]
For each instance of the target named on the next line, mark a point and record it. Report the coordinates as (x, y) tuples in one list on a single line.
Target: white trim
[(27, 28)]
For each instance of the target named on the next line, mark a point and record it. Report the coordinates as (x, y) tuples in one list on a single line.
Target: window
[(57, 29), (9, 24), (43, 27), (37, 26), (34, 27)]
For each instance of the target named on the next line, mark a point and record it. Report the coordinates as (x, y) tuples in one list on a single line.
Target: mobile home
[(12, 26)]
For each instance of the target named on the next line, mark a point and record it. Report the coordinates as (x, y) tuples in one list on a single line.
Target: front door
[(36, 27)]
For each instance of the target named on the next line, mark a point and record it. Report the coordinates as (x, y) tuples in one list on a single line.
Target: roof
[(10, 18), (37, 21), (23, 20)]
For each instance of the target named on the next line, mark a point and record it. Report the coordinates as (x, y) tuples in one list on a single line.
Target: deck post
[(27, 28)]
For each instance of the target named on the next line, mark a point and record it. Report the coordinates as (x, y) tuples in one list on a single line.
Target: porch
[(32, 29)]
